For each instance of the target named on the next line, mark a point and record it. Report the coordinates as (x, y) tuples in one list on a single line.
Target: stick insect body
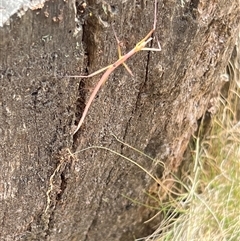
[(110, 68)]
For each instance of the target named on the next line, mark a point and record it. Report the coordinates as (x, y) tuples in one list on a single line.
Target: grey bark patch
[(10, 7)]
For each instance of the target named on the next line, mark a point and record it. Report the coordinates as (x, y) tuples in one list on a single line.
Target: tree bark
[(49, 188)]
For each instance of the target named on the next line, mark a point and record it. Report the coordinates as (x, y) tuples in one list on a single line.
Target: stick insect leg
[(91, 75), (154, 26), (120, 52)]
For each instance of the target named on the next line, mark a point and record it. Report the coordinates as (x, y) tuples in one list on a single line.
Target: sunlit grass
[(209, 207)]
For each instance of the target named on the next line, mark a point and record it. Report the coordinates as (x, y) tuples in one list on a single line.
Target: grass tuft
[(209, 207)]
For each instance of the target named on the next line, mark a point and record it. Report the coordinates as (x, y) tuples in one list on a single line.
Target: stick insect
[(121, 60)]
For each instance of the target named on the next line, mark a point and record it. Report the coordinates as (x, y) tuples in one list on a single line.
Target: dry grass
[(209, 209)]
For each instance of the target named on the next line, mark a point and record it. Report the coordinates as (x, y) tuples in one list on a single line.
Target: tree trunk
[(52, 189)]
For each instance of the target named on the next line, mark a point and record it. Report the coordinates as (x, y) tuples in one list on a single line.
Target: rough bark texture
[(48, 194)]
